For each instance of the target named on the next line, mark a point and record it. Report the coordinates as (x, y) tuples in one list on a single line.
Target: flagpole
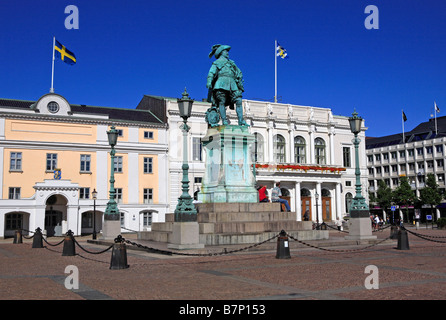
[(435, 113), (275, 71), (52, 69), (402, 118)]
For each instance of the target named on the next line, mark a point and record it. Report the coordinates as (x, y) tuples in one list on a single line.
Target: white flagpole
[(435, 113), (52, 70), (275, 71), (402, 118)]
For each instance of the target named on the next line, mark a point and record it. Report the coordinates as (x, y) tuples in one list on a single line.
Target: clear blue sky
[(126, 49)]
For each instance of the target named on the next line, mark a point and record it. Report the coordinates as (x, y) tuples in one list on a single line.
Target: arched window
[(348, 201), (299, 150), (279, 149), (325, 193), (319, 146), (305, 192), (257, 148)]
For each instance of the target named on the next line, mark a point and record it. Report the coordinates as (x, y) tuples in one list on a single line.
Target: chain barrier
[(53, 245), (336, 250), (425, 237), (155, 250)]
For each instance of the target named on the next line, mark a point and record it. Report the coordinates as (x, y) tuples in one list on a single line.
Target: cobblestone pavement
[(337, 273)]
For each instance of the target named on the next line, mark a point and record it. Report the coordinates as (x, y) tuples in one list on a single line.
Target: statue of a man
[(225, 84)]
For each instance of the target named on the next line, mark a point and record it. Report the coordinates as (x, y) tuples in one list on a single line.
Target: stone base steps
[(238, 223)]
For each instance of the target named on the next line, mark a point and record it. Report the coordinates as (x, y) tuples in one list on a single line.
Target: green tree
[(384, 195), (403, 195), (430, 194)]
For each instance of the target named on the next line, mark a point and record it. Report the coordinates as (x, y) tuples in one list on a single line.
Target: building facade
[(308, 149), (53, 154), (414, 155)]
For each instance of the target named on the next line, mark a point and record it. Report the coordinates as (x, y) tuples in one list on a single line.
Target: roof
[(121, 114), (424, 131)]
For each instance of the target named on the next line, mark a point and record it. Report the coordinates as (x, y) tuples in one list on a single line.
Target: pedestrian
[(276, 193), (262, 194), (307, 215)]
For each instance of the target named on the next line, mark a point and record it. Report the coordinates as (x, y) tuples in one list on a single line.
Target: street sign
[(428, 217), (393, 208)]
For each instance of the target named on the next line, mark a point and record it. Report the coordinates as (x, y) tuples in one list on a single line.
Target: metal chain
[(424, 237), (91, 252), (53, 245), (336, 250), (197, 254)]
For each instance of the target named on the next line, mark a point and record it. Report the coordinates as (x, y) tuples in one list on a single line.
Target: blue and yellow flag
[(281, 52), (63, 53)]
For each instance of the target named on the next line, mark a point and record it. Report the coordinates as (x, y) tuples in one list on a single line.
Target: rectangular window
[(148, 195), (402, 154), (439, 148), (118, 198), (122, 219), (84, 193), (15, 161), (196, 149), (51, 161), (148, 165), (118, 164), (148, 134), (120, 133), (385, 156), (14, 221), (393, 154), (85, 162), (147, 219), (14, 193), (346, 153)]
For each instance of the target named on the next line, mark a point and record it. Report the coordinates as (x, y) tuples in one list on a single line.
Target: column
[(331, 139), (338, 201), (319, 201), (298, 205), (270, 142), (291, 152), (311, 132)]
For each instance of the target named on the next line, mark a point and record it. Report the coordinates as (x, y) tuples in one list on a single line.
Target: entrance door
[(53, 223), (306, 205), (326, 208)]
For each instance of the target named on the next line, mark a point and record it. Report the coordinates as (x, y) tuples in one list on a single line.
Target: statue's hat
[(217, 49)]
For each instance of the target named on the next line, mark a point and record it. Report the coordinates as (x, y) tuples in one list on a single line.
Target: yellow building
[(54, 154)]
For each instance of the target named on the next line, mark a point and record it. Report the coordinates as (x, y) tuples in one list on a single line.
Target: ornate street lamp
[(358, 203), (360, 226), (185, 210), (94, 195), (111, 212), (317, 211)]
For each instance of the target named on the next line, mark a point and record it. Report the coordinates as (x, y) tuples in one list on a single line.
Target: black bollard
[(37, 239), (403, 240), (69, 248), (119, 255), (18, 236), (283, 248)]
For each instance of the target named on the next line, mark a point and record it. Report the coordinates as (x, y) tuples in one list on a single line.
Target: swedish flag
[(63, 53)]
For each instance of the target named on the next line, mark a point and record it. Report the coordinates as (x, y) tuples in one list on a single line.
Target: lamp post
[(94, 194), (185, 210), (185, 229), (358, 203), (317, 211), (360, 226), (112, 225)]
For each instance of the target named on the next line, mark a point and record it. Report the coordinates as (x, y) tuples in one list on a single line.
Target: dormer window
[(53, 107)]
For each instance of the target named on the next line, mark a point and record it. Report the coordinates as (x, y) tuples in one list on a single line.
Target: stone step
[(159, 236), (162, 226), (246, 216), (253, 238), (253, 226), (237, 207)]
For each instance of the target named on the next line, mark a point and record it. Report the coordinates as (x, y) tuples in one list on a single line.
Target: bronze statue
[(225, 84)]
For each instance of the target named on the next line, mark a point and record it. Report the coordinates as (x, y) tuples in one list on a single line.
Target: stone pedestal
[(228, 173), (185, 235), (360, 226), (111, 229)]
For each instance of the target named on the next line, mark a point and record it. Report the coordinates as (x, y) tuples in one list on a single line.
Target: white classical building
[(308, 149)]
